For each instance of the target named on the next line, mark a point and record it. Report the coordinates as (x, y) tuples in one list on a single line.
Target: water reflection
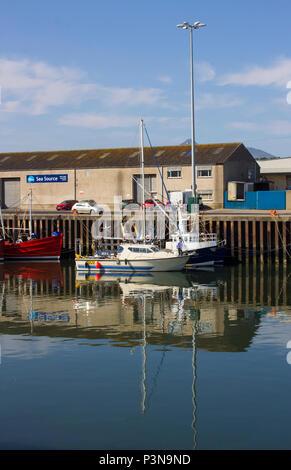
[(208, 310), (226, 303)]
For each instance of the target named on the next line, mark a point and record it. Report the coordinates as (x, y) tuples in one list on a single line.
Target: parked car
[(151, 203), (66, 205), (87, 207), (125, 202)]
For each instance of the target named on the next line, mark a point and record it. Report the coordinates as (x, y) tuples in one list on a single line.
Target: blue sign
[(46, 178), (59, 316)]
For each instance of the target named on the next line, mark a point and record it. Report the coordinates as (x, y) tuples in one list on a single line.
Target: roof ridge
[(119, 148)]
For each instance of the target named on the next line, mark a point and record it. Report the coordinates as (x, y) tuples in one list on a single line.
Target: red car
[(66, 205), (151, 203)]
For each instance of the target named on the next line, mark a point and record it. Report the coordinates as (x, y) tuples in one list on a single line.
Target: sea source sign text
[(46, 178)]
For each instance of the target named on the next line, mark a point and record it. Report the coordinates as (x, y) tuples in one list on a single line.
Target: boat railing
[(208, 237)]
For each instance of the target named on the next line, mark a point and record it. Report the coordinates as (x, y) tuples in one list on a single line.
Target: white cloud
[(281, 127), (212, 101), (205, 72), (277, 74), (165, 79), (244, 125), (97, 121), (130, 96), (107, 121), (35, 87), (277, 127)]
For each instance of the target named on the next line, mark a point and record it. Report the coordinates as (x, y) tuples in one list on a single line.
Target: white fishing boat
[(133, 257), (130, 257), (206, 249)]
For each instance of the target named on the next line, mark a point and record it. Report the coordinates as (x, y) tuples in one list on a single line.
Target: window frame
[(204, 168), (203, 192), (173, 169)]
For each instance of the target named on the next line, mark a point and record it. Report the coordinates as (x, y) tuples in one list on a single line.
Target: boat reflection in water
[(37, 270), (170, 310), (166, 321), (22, 286)]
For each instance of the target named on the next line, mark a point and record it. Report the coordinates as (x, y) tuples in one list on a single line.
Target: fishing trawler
[(205, 248), (31, 247)]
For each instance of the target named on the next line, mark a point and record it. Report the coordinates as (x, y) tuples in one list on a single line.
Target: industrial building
[(276, 171), (101, 174)]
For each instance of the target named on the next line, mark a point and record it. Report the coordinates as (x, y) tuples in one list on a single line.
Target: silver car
[(87, 206)]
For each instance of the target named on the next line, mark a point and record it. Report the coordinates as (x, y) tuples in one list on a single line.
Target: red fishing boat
[(47, 248), (33, 248)]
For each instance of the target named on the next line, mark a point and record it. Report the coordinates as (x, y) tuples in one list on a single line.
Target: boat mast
[(142, 176), (30, 212), (143, 404), (194, 368), (2, 223)]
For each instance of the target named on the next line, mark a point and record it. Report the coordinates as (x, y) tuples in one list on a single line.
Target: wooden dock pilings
[(259, 237), (245, 285), (254, 236)]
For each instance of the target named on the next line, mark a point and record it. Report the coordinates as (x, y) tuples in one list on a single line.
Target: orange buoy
[(98, 265)]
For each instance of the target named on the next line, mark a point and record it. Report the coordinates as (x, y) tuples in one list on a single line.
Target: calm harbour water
[(173, 361)]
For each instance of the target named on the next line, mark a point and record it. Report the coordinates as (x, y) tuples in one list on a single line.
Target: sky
[(81, 74)]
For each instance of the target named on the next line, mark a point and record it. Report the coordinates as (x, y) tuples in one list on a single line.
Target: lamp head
[(197, 25), (186, 25)]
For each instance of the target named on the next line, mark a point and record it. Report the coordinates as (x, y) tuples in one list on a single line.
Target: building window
[(174, 173), (204, 172), (206, 195)]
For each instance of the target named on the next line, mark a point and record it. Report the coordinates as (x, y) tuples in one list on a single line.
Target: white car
[(87, 207)]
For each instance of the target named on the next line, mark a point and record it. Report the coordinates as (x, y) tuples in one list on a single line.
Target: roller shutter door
[(149, 186), (11, 192)]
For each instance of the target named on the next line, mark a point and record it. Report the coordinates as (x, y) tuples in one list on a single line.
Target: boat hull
[(207, 257), (92, 264), (47, 248)]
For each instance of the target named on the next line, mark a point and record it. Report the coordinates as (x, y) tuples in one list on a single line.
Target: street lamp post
[(196, 25)]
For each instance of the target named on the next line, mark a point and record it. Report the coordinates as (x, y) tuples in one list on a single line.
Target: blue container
[(264, 200), (271, 200)]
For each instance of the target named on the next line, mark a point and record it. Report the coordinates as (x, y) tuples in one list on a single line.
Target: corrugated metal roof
[(179, 155), (276, 165)]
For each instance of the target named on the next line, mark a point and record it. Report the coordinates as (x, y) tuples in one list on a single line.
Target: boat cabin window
[(139, 250)]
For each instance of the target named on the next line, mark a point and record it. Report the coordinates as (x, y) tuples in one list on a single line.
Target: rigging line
[(156, 162), (159, 367), (27, 301), (194, 368), (282, 288), (161, 176), (159, 207), (283, 244)]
